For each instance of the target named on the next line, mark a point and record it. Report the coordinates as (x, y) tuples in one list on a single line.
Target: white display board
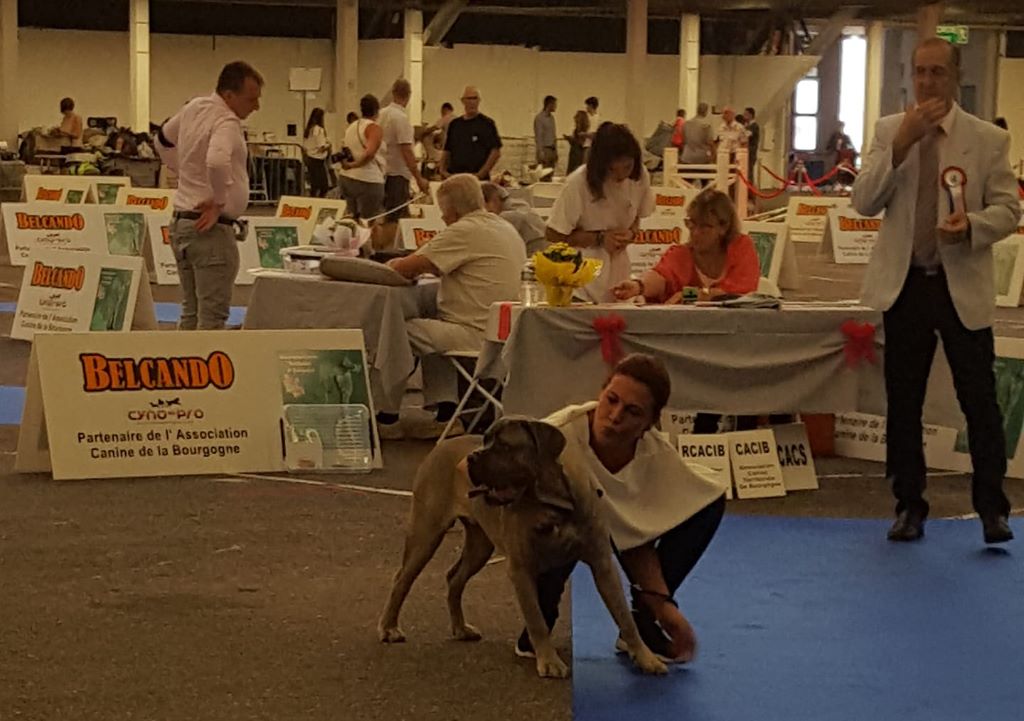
[(795, 458), (671, 202), (710, 454), (182, 403), (74, 189), (415, 232), (1008, 258), (158, 200), (311, 211), (807, 216), (771, 242), (113, 230), (755, 464), (263, 243), (850, 237), (425, 211), (77, 292), (160, 255), (656, 235)]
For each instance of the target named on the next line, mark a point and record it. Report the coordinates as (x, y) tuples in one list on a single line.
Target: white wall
[(1010, 103)]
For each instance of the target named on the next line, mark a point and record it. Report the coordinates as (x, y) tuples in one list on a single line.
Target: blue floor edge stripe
[(12, 403)]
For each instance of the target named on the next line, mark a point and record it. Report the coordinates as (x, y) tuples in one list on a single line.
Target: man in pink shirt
[(204, 144)]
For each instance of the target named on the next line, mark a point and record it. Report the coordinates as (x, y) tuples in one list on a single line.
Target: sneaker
[(432, 430), (390, 431), (523, 647)]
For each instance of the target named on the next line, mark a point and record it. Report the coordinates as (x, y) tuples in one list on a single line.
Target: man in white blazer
[(931, 273)]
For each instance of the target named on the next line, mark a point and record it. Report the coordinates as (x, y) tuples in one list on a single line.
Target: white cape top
[(652, 494)]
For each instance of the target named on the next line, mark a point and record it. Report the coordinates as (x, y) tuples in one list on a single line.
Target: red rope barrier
[(769, 171), (758, 193)]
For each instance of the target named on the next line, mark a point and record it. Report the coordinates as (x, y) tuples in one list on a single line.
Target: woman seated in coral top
[(719, 259)]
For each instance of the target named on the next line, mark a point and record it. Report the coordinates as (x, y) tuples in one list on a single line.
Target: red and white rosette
[(953, 180)]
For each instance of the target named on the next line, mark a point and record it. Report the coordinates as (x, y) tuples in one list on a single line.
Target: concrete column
[(9, 73), (689, 64), (873, 82), (138, 43), (346, 64), (928, 17), (412, 62), (636, 62)]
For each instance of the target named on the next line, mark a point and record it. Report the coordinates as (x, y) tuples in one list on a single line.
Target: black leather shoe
[(997, 529), (907, 527)]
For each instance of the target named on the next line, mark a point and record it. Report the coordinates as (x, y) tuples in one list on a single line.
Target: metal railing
[(275, 169)]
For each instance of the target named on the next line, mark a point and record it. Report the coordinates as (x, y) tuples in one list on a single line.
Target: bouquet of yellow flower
[(561, 269)]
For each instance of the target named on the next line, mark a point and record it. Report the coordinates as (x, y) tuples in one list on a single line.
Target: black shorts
[(396, 193)]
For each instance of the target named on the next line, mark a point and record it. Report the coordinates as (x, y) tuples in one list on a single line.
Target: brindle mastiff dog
[(527, 494)]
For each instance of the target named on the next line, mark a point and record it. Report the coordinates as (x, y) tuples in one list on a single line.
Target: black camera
[(343, 155)]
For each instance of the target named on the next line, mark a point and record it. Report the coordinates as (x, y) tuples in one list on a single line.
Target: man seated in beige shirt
[(479, 258)]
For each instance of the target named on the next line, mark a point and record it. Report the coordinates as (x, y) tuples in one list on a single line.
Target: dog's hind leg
[(421, 544), (476, 551)]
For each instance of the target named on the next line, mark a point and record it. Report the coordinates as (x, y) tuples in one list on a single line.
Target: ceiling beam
[(442, 22)]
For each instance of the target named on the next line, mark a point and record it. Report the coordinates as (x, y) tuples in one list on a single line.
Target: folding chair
[(481, 363)]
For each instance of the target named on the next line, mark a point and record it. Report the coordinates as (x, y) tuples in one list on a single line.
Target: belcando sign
[(184, 403), (656, 235), (807, 216), (850, 237)]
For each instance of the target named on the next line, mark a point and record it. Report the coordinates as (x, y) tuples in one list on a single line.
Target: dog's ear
[(549, 440)]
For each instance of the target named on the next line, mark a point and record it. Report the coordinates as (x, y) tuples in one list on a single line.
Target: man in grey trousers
[(204, 144)]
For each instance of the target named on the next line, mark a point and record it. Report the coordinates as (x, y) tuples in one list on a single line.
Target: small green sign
[(956, 34)]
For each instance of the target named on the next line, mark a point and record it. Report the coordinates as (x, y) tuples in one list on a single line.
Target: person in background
[(544, 133), (528, 224), (479, 258), (70, 128), (661, 512), (351, 117), (473, 144), (678, 131), (931, 276), (316, 147), (731, 135), (362, 172), (204, 145), (577, 141), (600, 207), (594, 122), (839, 143), (433, 141), (753, 142), (697, 144), (401, 166)]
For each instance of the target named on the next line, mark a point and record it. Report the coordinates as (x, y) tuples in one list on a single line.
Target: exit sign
[(956, 34)]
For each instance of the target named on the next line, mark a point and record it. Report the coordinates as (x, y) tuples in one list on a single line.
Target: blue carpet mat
[(165, 312), (815, 619), (12, 401)]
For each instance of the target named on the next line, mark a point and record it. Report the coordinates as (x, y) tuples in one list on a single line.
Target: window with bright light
[(805, 112), (854, 64)]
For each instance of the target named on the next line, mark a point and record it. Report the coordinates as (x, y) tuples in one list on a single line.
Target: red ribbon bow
[(610, 327), (860, 342)]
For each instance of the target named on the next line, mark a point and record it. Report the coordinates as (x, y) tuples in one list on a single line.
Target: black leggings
[(678, 550)]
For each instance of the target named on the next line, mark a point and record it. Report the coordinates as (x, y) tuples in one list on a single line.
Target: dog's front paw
[(392, 634), (466, 633), (552, 667), (647, 662)]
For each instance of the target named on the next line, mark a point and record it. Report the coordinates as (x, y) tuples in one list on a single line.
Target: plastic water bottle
[(529, 288)]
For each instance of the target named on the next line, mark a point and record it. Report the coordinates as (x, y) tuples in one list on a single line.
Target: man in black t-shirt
[(472, 144)]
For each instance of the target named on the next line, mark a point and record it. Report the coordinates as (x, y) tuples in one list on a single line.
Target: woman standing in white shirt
[(362, 177), (316, 147), (600, 207)]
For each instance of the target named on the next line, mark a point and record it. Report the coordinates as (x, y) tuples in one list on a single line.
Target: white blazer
[(982, 151)]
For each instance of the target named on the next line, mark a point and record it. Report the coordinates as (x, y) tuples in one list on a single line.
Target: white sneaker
[(431, 430)]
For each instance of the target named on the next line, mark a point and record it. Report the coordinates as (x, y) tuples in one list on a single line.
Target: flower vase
[(559, 295)]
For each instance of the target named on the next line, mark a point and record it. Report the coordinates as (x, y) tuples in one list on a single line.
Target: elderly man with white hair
[(479, 258)]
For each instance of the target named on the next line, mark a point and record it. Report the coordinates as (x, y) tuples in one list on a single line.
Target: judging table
[(729, 360), (282, 300)]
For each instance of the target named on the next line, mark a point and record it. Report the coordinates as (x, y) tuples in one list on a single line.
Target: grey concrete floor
[(246, 598)]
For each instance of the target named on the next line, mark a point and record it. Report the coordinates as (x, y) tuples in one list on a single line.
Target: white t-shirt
[(654, 493), (355, 140), (623, 204), (595, 123), (481, 259), (397, 132), (316, 144)]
